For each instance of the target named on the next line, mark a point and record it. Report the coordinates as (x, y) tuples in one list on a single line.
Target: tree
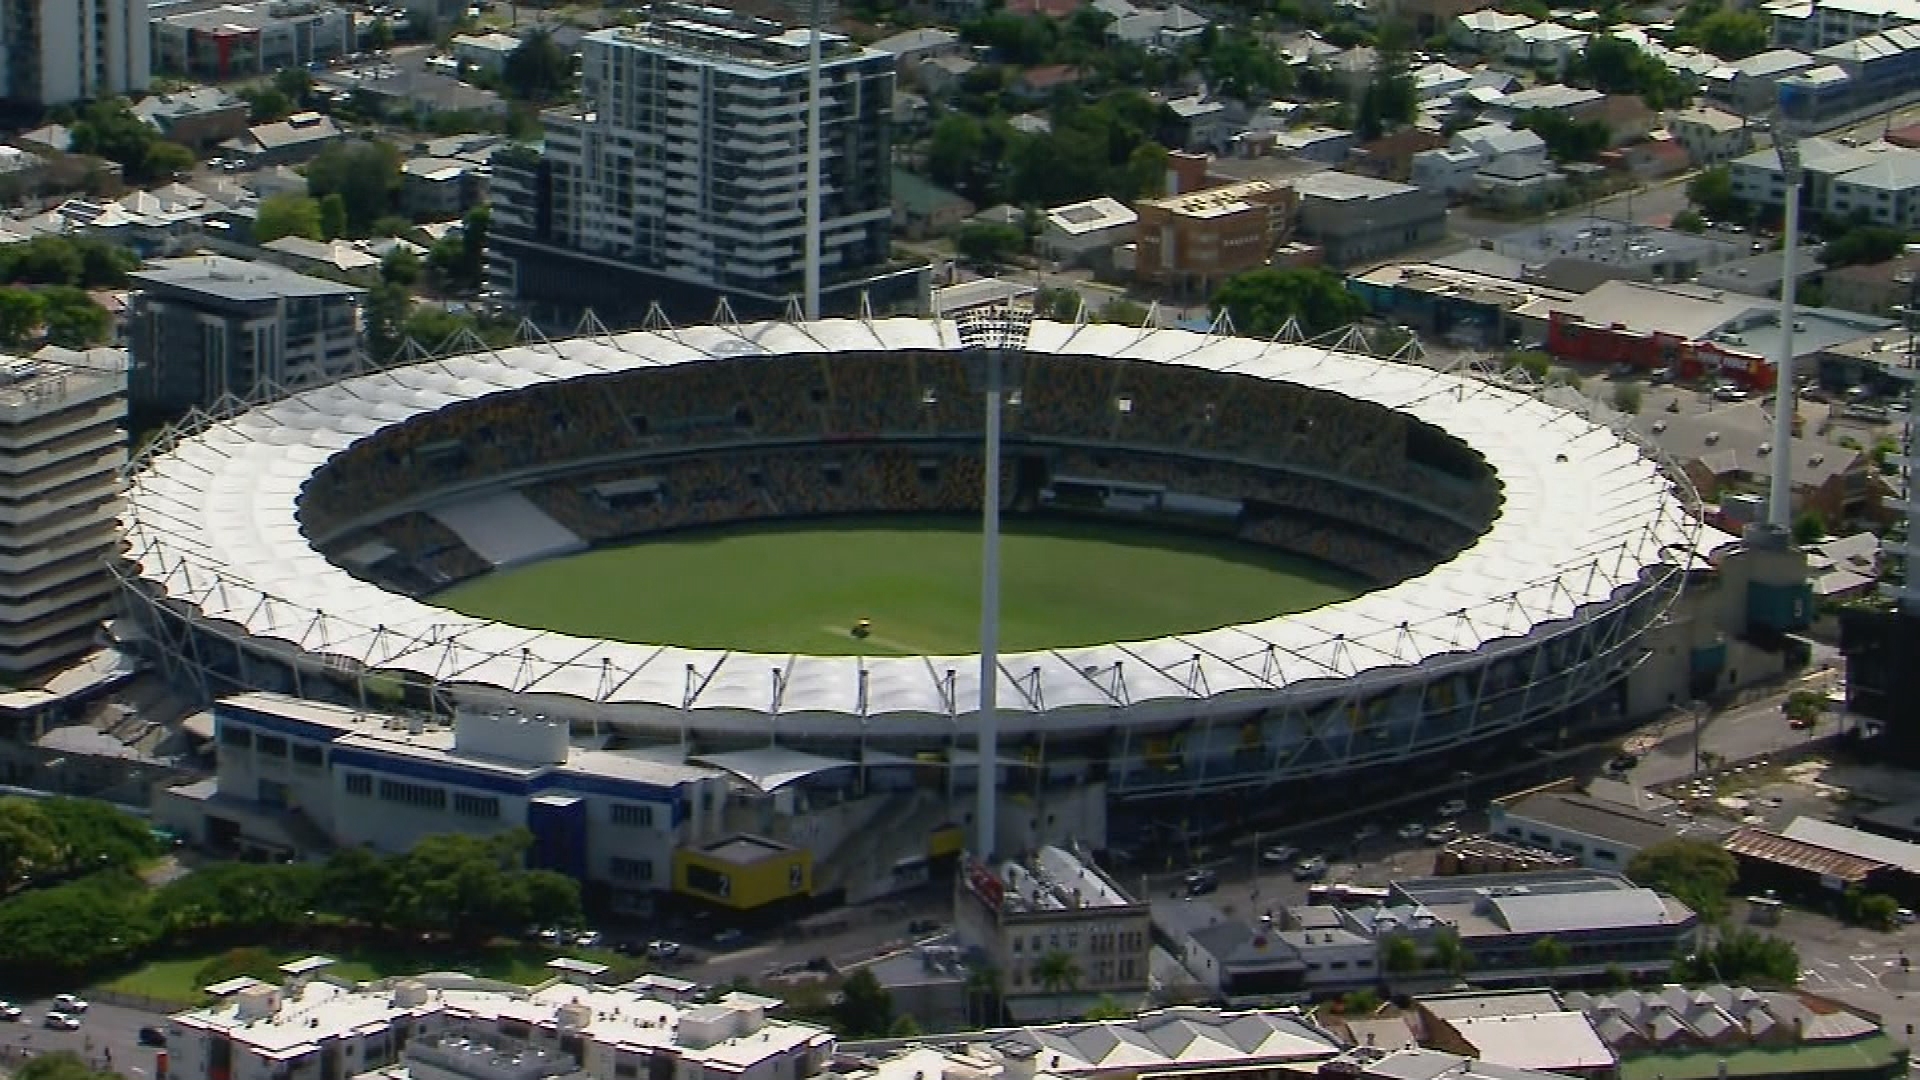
[(953, 152), (1809, 528), (109, 128), (366, 176), (287, 215), (295, 84), (1689, 221), (401, 267), (1696, 872), (988, 243), (1626, 397), (1550, 953), (1568, 139), (27, 847), (469, 887), (73, 320), (92, 835), (51, 935), (539, 70), (164, 161), (1108, 1008), (1876, 911), (864, 1007), (1616, 66), (1864, 245), (1448, 954), (1712, 192), (1057, 972), (1742, 956), (356, 883), (60, 1065), (983, 997), (1261, 301), (380, 35), (473, 245), (1400, 956), (268, 104), (21, 312), (256, 900), (388, 309), (333, 217), (1728, 34)]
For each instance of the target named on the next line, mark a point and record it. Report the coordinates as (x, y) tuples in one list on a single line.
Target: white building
[(1486, 31), (1545, 45), (1816, 24), (485, 52), (258, 38), (1451, 170), (613, 817), (684, 168), (1711, 136), (57, 52), (453, 1027), (62, 446), (1880, 180), (1084, 231), (1054, 902)]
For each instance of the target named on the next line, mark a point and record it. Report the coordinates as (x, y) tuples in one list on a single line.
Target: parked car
[(1280, 855), (1622, 763), (69, 1003), (1310, 869), (1202, 882), (1905, 917), (1365, 833), (152, 1036), (1453, 808), (1412, 830), (9, 1011), (663, 950), (586, 939), (60, 1021), (1443, 833), (729, 936)]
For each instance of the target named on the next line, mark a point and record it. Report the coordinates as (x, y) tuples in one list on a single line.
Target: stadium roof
[(211, 525)]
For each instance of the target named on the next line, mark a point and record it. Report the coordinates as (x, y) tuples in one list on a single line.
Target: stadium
[(1514, 555)]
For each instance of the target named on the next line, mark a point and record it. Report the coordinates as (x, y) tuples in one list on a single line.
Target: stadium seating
[(744, 438)]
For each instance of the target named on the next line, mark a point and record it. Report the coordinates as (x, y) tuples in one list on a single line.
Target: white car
[(587, 939), (9, 1011), (68, 1003), (663, 950), (1280, 855), (1412, 830), (60, 1021), (1453, 808)]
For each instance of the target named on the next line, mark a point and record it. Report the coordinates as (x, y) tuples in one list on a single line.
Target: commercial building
[(1355, 218), (1795, 869), (1579, 255), (454, 1027), (680, 177), (1711, 136), (292, 773), (1196, 240), (1306, 953), (210, 40), (484, 52), (195, 118), (58, 52), (285, 142), (1751, 87), (204, 327), (1604, 920), (1055, 902), (1459, 305), (1516, 1029), (1603, 834), (62, 446), (1817, 24), (1902, 856), (440, 189), (1709, 1032), (1086, 232)]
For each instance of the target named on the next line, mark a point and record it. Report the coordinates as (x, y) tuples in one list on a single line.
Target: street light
[(992, 330)]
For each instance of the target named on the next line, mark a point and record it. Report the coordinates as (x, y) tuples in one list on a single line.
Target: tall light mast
[(1780, 489), (991, 330)]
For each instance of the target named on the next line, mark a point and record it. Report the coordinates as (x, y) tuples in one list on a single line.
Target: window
[(477, 806), (623, 869), (359, 783), (634, 814), (235, 736), (271, 746), (422, 795), (307, 754)]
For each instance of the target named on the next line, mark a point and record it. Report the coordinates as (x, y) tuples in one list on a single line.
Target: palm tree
[(1058, 973), (983, 997)]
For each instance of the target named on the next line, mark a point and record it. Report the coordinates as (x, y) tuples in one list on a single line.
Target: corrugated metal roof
[(1794, 854)]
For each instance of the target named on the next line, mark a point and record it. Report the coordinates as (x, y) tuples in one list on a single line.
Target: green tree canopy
[(988, 243), (1712, 192), (60, 1065), (1698, 873), (364, 173), (287, 215), (1863, 245), (1568, 138), (50, 935), (539, 70), (21, 312), (1742, 956), (1261, 301), (1614, 65), (864, 1008)]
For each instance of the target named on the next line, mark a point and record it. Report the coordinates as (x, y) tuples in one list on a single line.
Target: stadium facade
[(1529, 561)]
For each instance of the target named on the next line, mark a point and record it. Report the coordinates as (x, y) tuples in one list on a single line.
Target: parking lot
[(108, 1037)]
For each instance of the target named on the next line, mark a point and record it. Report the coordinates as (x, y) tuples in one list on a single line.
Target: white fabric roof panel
[(212, 523)]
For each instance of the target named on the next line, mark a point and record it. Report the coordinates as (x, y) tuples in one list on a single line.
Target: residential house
[(1430, 17), (1390, 157), (1518, 184), (1486, 31), (1879, 181), (1687, 1032), (1165, 28), (335, 260), (1844, 567), (1046, 9), (1572, 101), (1039, 84), (1450, 171), (911, 48), (1711, 136), (1200, 124), (1323, 144), (1653, 158), (1546, 46), (922, 209), (1353, 69), (941, 76), (413, 95), (195, 118), (1439, 80), (285, 142)]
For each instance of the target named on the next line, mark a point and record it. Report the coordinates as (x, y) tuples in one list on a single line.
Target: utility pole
[(1780, 490)]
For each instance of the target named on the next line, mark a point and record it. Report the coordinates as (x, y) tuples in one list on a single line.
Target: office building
[(58, 52), (204, 327), (1196, 240), (211, 40), (454, 1027), (62, 446), (1054, 902), (354, 779), (1356, 218), (1603, 828), (681, 176)]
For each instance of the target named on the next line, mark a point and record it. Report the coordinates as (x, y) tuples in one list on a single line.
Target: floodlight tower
[(992, 331), (1780, 489), (811, 251)]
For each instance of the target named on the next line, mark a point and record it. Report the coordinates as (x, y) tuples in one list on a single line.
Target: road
[(108, 1037)]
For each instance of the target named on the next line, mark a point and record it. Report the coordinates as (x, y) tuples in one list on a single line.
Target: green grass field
[(800, 586)]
